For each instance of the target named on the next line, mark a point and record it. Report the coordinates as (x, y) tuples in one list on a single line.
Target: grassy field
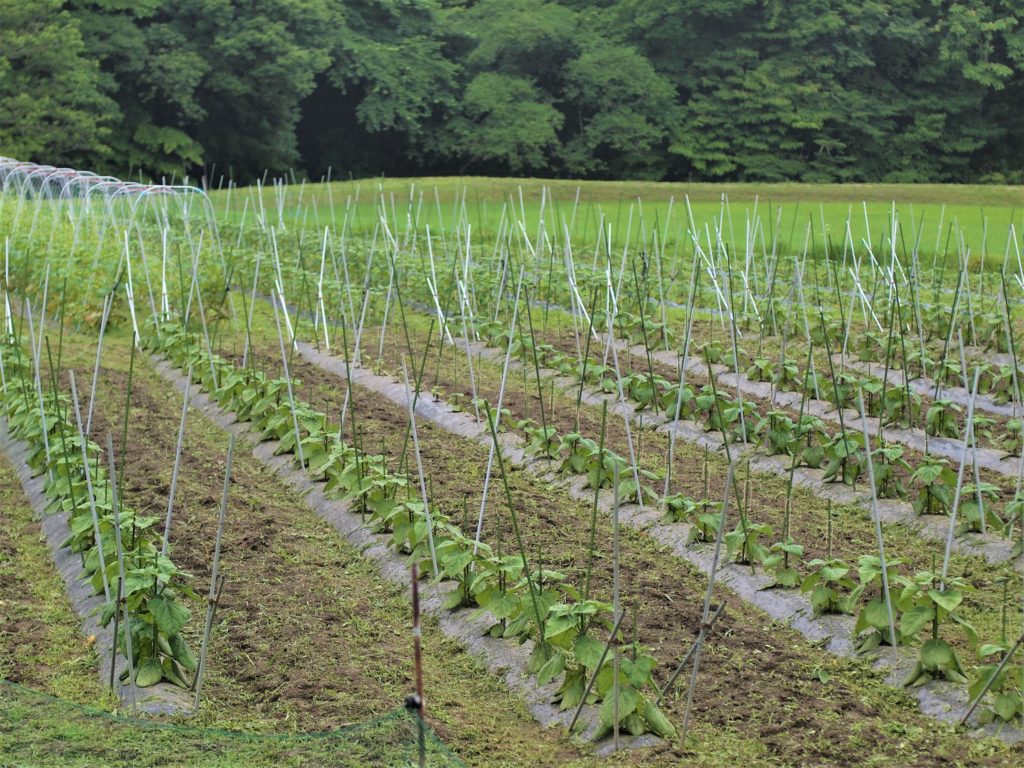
[(932, 213)]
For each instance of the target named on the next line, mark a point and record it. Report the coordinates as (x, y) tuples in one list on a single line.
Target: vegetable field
[(483, 472)]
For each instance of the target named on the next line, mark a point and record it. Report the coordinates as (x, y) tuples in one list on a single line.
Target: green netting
[(39, 730)]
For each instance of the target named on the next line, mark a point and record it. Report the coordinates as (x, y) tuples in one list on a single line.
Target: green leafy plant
[(713, 351), (687, 405), (943, 419), (1015, 515), (919, 361), (845, 458), (777, 433), (1001, 387), (844, 392), (923, 600), (780, 563), (901, 406), (948, 373), (1004, 699), (743, 543), (935, 482), (762, 369), (873, 617), (487, 411), (829, 585), (540, 441), (630, 492), (812, 436), (1013, 433), (870, 346), (982, 428), (788, 376), (888, 461), (971, 513), (645, 390)]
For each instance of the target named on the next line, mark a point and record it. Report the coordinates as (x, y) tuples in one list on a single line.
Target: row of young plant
[(122, 553), (925, 599), (805, 438), (842, 456), (895, 405), (923, 602), (567, 625)]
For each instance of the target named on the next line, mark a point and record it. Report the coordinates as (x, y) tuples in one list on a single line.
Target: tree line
[(812, 90)]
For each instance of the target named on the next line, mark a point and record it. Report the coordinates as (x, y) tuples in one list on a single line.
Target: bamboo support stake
[(622, 399), (117, 618), (686, 659), (417, 704), (706, 614), (214, 594), (684, 360), (288, 380), (177, 462), (88, 483), (115, 507), (419, 468), (129, 288), (108, 302), (972, 440), (501, 393), (886, 596), (39, 387), (616, 608), (960, 478)]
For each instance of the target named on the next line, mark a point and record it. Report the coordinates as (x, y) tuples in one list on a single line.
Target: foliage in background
[(818, 90)]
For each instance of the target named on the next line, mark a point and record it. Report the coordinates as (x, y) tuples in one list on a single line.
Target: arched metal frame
[(127, 208)]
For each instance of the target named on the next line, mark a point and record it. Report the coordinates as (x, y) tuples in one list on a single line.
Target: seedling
[(936, 482), (888, 462), (973, 507), (829, 585), (873, 617), (845, 459), (778, 563), (943, 419), (926, 599)]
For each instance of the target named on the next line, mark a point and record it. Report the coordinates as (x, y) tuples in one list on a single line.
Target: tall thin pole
[(417, 650), (706, 615), (177, 463), (211, 598)]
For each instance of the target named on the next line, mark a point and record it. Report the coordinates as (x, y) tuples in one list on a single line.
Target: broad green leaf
[(572, 691), (990, 648), (947, 598), (877, 615), (1007, 705), (587, 651), (914, 620), (628, 699), (937, 654), (556, 625), (148, 674), (551, 669), (170, 615), (657, 721), (182, 653)]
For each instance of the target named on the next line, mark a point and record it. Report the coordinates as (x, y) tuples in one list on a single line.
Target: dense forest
[(813, 90)]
